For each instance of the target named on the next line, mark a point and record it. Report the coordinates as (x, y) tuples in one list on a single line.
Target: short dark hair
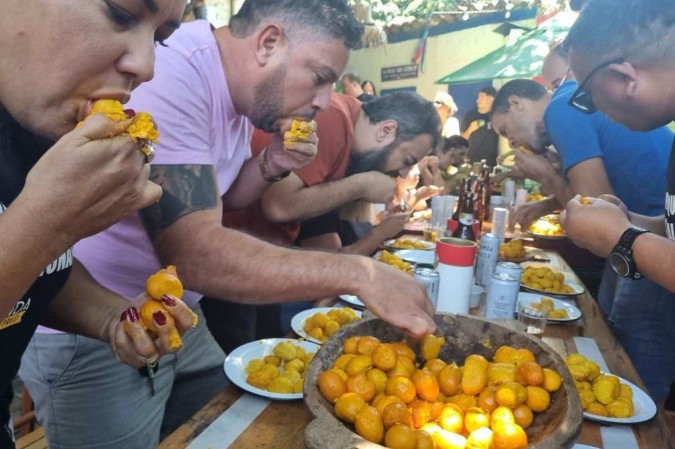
[(529, 89), (333, 18), (642, 30), (453, 142), (363, 85), (488, 90), (415, 115), (352, 77)]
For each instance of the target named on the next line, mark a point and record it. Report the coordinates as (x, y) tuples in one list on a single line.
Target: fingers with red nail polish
[(159, 317), (168, 301)]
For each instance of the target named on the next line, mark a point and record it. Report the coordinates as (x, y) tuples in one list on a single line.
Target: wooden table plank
[(281, 425), (277, 427), (186, 433)]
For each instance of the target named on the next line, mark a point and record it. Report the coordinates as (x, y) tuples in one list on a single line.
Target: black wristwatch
[(621, 258)]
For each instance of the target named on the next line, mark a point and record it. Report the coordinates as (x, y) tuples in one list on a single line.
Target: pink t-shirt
[(191, 104)]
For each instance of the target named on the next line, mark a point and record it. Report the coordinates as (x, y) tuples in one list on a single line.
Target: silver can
[(487, 259), (502, 297), (510, 268), (509, 192), (500, 217), (432, 280)]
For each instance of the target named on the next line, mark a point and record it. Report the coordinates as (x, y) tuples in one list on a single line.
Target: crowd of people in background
[(223, 99)]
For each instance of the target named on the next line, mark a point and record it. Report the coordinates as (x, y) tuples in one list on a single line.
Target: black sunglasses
[(580, 99)]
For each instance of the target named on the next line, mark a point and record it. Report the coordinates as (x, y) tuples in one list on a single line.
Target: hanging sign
[(400, 72)]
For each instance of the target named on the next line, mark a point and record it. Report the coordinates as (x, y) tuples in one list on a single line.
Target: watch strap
[(265, 170), (629, 236), (625, 248)]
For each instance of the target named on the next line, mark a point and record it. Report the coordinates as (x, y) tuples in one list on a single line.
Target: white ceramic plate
[(417, 256), (421, 215), (577, 289), (551, 218), (546, 237), (573, 313), (644, 406), (353, 300), (236, 361), (530, 253), (298, 321), (427, 245)]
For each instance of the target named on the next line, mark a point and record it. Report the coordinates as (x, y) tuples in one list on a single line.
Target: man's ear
[(386, 130), (516, 103), (627, 74), (270, 40)]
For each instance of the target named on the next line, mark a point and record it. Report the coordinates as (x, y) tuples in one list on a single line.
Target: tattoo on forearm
[(187, 188)]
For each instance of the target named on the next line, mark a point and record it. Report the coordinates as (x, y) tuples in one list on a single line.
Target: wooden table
[(281, 425)]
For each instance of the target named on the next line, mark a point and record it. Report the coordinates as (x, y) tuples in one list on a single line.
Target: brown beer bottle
[(464, 228)]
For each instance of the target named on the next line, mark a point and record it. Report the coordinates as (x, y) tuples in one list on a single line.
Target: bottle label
[(466, 219)]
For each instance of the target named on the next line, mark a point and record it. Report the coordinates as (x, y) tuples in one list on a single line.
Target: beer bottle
[(464, 190), (486, 192), (476, 169), (464, 228)]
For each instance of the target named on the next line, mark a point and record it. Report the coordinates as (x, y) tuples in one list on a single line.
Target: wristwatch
[(621, 258), (265, 170)]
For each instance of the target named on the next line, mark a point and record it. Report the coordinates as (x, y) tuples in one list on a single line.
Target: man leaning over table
[(361, 147), (277, 59), (599, 157), (623, 50)]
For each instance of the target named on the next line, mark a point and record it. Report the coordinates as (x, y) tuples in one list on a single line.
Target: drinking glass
[(533, 319), (431, 233)]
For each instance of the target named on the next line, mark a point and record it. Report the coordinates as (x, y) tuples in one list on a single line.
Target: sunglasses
[(582, 100)]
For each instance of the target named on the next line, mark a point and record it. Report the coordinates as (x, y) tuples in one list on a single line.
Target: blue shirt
[(636, 163)]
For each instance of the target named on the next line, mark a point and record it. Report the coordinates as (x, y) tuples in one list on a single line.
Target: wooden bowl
[(556, 428)]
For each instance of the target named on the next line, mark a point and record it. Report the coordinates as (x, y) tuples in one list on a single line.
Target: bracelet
[(265, 170)]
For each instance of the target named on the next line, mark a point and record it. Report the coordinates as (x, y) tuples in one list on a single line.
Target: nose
[(322, 98), (139, 60), (512, 143)]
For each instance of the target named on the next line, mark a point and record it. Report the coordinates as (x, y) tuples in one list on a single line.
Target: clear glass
[(533, 319), (431, 233)]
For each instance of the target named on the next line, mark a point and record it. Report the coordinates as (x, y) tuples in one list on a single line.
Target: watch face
[(619, 264)]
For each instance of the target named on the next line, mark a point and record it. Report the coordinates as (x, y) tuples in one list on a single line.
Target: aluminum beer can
[(509, 192), (510, 268), (502, 296), (432, 280), (487, 259), (500, 216)]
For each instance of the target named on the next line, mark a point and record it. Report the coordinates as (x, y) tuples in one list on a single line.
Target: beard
[(370, 160), (269, 102)]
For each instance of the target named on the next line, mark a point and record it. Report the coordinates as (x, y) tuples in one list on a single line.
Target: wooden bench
[(34, 440), (29, 437)]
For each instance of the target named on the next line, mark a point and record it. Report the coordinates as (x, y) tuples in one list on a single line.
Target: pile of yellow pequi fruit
[(283, 371), (404, 400)]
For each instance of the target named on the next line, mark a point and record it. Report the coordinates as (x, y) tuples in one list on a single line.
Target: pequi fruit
[(142, 127), (164, 282), (149, 308), (300, 130)]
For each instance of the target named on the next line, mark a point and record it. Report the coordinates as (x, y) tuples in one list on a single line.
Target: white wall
[(445, 54)]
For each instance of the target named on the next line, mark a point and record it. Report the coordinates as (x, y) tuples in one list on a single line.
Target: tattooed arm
[(186, 229)]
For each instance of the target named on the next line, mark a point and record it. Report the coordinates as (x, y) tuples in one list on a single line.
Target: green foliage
[(400, 11)]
